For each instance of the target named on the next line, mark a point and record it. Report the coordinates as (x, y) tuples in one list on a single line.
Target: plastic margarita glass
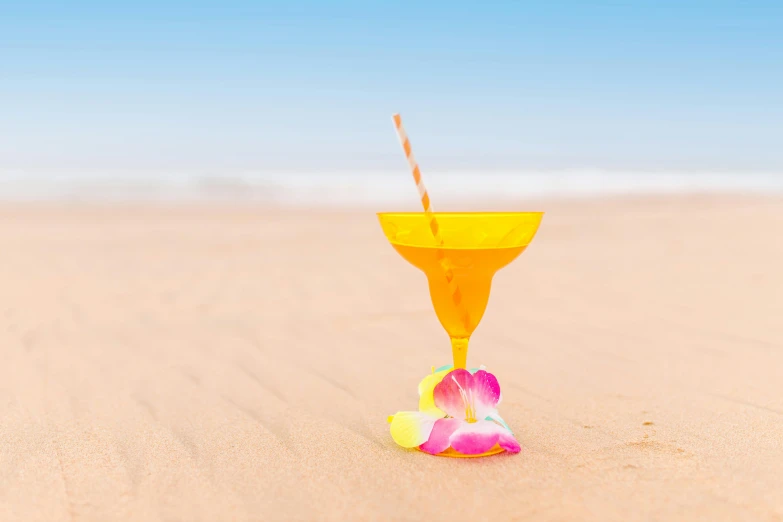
[(459, 252), (475, 245)]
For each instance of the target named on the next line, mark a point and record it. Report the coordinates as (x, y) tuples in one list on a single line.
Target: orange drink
[(471, 248)]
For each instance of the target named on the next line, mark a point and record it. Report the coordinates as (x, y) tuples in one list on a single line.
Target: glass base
[(456, 454)]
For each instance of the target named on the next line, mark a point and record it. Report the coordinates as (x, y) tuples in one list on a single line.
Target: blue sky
[(246, 86)]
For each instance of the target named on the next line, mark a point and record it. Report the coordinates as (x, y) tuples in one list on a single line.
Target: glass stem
[(459, 351)]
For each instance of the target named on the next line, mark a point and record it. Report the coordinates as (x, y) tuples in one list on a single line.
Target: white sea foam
[(372, 188)]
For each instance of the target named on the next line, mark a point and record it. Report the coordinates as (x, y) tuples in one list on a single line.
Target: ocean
[(372, 188)]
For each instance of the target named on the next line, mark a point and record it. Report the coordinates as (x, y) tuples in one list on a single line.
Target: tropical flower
[(458, 410)]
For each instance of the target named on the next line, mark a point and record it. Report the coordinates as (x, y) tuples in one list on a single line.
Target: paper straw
[(456, 295)]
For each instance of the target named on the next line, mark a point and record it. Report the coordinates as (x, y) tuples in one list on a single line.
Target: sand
[(202, 363)]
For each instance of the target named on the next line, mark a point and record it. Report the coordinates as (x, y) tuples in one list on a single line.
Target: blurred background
[(162, 360), (290, 102)]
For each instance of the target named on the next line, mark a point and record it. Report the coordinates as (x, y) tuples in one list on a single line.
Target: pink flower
[(458, 410), (470, 401)]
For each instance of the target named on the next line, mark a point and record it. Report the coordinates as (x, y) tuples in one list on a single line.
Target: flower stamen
[(467, 401)]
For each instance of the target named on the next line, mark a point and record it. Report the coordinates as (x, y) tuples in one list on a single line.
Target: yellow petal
[(426, 387), (410, 429)]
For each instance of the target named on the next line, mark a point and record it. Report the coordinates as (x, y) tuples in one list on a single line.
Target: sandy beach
[(203, 363)]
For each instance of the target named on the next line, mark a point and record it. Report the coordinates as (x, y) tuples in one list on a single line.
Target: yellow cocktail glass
[(475, 246)]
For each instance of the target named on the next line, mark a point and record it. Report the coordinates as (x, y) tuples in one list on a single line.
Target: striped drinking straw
[(456, 295)]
